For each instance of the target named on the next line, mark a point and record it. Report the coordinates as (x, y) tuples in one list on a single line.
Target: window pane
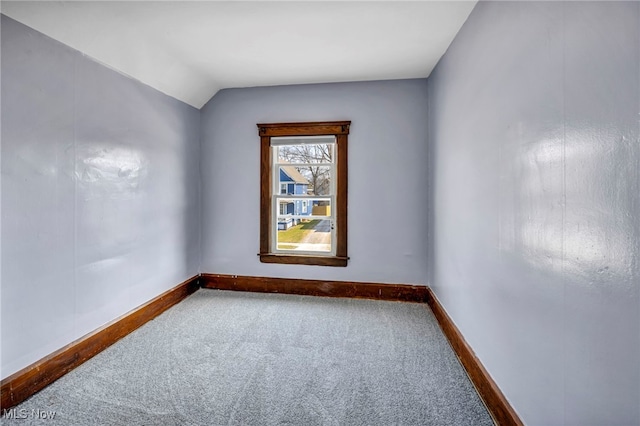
[(305, 180), (302, 140), (320, 206), (318, 153), (300, 233), (305, 235)]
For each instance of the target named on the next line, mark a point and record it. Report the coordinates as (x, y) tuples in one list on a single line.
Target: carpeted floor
[(232, 358)]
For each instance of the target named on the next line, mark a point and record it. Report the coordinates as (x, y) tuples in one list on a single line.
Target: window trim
[(339, 129)]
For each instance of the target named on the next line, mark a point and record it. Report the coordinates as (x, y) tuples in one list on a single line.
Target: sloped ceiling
[(191, 49)]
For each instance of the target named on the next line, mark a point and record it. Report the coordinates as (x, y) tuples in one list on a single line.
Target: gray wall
[(535, 139), (387, 177), (100, 194)]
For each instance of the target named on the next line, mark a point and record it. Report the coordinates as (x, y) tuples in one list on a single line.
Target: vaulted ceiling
[(191, 49)]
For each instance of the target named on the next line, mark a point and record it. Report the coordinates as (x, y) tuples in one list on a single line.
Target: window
[(312, 159)]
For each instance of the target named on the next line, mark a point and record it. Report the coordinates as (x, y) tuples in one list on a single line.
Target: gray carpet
[(232, 358)]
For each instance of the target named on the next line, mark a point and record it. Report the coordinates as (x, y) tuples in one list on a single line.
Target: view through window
[(305, 166)]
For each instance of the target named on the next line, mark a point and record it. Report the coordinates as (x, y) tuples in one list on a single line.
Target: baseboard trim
[(501, 411), (33, 378), (361, 290)]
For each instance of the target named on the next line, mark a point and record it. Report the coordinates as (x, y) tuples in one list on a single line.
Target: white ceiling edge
[(191, 50)]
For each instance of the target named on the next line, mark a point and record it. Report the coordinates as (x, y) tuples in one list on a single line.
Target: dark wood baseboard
[(394, 292), (26, 382), (497, 404)]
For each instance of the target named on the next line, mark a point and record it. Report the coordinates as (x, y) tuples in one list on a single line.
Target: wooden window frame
[(339, 129)]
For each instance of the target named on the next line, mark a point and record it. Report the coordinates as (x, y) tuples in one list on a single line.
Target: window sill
[(303, 260)]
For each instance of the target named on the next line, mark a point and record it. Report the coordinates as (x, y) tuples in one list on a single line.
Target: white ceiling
[(191, 49)]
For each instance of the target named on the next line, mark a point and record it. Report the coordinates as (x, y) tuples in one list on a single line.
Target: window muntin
[(314, 159)]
